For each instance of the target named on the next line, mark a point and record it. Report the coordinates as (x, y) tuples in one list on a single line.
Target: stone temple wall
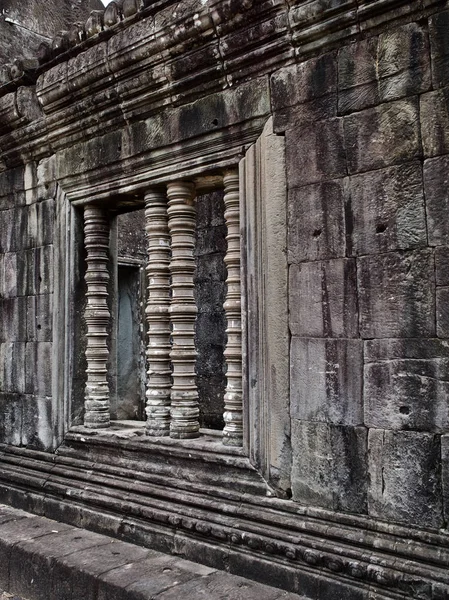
[(341, 488), (367, 212), (26, 259)]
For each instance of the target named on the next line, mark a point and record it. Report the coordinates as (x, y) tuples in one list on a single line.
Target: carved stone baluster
[(233, 412), (157, 314), (97, 316), (184, 394)]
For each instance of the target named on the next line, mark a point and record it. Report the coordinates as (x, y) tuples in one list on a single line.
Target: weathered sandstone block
[(436, 185), (11, 417), (40, 223), (442, 265), (301, 115), (37, 428), (405, 482), (385, 210), (39, 318), (434, 114), (442, 308), (316, 228), (301, 83), (38, 368), (12, 370), (326, 380), (13, 319), (14, 229), (383, 68), (397, 294), (385, 135), (315, 152), (439, 48), (445, 474), (406, 388), (12, 188), (8, 274), (323, 299), (329, 466)]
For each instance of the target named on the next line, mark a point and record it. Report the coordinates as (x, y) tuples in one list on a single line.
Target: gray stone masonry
[(336, 114), (367, 140), (41, 559)]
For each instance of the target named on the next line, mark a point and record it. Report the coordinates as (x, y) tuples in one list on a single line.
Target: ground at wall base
[(44, 559)]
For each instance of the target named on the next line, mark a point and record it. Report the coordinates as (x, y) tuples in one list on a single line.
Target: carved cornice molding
[(168, 55), (305, 22), (140, 56), (18, 109), (392, 560)]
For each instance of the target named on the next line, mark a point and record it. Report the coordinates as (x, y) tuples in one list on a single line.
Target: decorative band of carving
[(412, 563), (97, 316), (233, 413), (184, 393), (157, 314)]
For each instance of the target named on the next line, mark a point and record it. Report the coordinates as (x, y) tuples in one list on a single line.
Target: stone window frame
[(265, 330)]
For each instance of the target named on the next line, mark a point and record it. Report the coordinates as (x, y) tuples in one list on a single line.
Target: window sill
[(209, 441)]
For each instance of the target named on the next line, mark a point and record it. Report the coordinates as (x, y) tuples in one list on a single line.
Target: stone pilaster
[(97, 316), (233, 413), (184, 395), (157, 314)]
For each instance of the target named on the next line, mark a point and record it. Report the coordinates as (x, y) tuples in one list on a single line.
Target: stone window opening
[(257, 403), (185, 338), (261, 357)]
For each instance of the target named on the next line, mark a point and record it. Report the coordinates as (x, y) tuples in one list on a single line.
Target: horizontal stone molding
[(303, 26), (392, 560), (132, 67)]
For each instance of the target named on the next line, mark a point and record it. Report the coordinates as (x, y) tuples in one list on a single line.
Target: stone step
[(42, 559)]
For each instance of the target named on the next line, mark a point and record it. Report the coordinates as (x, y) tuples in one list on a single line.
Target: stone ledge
[(208, 442), (41, 558), (270, 540)]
